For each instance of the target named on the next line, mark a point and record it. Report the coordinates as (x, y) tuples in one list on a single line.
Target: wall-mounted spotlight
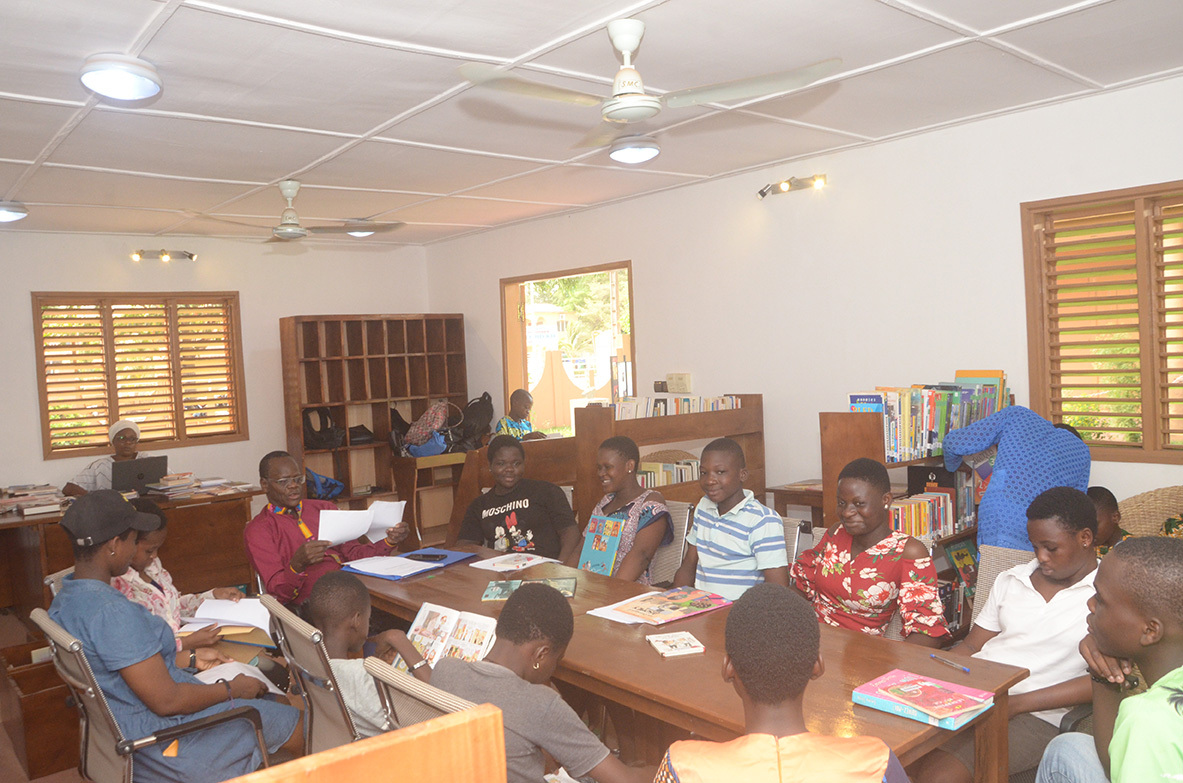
[(163, 256), (817, 182)]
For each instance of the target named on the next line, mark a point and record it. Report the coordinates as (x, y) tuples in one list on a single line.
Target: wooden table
[(204, 548), (613, 661), (800, 493)]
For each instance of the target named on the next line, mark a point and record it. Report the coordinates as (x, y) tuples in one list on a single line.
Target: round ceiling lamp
[(634, 149), (120, 76), (11, 211)]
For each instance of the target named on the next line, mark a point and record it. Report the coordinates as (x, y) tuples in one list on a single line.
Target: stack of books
[(926, 515), (660, 474), (175, 485), (925, 699), (669, 405), (32, 499)]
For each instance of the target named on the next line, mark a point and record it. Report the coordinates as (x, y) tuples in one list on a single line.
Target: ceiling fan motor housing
[(629, 103)]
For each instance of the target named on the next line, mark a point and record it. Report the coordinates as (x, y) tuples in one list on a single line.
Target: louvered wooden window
[(172, 363), (1105, 318)]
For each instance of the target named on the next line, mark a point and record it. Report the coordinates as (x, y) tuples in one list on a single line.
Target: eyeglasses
[(288, 481), (126, 439)]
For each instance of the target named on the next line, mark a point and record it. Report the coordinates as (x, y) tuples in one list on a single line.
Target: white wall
[(272, 281), (908, 267)]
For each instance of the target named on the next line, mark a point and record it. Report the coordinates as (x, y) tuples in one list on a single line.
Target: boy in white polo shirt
[(736, 541), (1034, 618)]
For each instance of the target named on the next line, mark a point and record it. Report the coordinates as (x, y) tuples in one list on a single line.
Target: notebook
[(137, 474)]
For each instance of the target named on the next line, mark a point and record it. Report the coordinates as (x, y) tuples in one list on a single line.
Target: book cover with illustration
[(600, 542), (675, 604), (964, 556), (439, 632), (499, 591), (671, 645), (924, 699)]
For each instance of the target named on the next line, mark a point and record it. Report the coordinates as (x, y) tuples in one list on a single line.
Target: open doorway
[(568, 339)]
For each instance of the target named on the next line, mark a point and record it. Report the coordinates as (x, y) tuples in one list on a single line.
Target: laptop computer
[(137, 473)]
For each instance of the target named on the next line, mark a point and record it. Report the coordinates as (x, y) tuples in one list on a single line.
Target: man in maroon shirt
[(281, 540)]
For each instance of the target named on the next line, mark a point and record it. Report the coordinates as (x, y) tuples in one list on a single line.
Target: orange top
[(763, 758)]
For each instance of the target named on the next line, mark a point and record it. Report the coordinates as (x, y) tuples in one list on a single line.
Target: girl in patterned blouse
[(862, 571)]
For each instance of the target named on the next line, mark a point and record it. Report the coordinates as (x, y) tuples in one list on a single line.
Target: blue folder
[(450, 557)]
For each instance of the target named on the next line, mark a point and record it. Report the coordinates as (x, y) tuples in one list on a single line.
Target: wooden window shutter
[(1168, 280), (208, 391), (143, 367), (73, 352)]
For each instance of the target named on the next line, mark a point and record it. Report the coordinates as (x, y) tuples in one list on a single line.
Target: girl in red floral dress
[(862, 571)]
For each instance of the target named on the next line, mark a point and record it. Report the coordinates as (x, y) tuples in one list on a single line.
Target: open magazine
[(439, 632)]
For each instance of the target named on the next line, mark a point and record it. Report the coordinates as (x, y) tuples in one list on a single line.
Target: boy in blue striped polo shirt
[(736, 541)]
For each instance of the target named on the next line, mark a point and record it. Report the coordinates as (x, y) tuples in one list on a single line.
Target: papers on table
[(339, 527), (390, 566), (228, 671), (247, 611), (515, 561), (609, 613)]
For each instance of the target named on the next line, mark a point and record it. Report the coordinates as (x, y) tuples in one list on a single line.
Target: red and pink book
[(938, 703)]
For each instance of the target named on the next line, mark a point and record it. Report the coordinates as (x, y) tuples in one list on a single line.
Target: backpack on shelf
[(322, 487), (433, 420), (324, 436), (475, 422)]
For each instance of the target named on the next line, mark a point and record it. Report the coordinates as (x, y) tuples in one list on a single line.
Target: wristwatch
[(193, 659), (418, 666)]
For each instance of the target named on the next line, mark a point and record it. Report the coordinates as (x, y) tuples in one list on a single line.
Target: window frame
[(230, 299), (1144, 202)]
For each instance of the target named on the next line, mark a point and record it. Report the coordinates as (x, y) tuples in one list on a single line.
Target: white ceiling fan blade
[(498, 79), (357, 225), (602, 135), (752, 87)]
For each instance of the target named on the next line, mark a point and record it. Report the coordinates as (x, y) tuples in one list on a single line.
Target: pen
[(947, 662)]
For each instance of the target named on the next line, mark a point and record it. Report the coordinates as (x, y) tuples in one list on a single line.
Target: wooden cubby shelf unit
[(359, 367)]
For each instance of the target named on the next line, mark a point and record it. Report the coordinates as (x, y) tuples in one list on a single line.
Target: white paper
[(337, 527), (228, 671), (514, 561), (191, 626), (247, 611), (390, 566), (386, 514), (609, 613)]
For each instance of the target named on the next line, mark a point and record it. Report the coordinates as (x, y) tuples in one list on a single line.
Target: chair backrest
[(54, 580), (327, 723), (992, 561), (792, 537), (406, 700), (1144, 514), (100, 734), (668, 558)]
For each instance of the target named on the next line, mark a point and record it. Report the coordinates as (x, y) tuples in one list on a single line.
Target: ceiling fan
[(628, 102), (290, 229)]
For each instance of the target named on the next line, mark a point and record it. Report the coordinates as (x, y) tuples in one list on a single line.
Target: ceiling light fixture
[(359, 229), (11, 211), (634, 149), (817, 182), (163, 256), (120, 76)]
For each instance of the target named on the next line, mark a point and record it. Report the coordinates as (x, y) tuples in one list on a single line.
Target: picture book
[(600, 542), (499, 591), (924, 699), (964, 556), (674, 644), (675, 604), (439, 632), (565, 585), (514, 561)]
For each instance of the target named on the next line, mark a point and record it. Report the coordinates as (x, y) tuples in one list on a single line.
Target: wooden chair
[(106, 755), (1144, 514), (408, 701), (327, 722), (54, 580)]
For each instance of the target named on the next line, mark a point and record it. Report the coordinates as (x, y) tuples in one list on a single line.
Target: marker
[(947, 662)]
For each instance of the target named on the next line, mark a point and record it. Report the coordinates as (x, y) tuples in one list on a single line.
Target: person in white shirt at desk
[(125, 436)]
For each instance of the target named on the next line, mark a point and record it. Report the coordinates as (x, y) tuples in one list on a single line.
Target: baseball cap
[(103, 514)]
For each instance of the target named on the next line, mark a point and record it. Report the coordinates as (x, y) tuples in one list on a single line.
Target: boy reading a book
[(736, 542), (517, 421), (339, 605), (1136, 618), (773, 641)]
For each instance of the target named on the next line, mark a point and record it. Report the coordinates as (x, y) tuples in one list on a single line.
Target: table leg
[(990, 744)]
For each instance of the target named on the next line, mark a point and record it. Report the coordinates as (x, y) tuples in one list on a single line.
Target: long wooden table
[(614, 662)]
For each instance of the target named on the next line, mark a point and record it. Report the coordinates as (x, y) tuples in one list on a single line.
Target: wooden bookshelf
[(360, 367)]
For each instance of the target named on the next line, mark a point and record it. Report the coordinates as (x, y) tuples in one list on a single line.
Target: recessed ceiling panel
[(381, 165), (189, 148), (261, 72), (942, 87), (1112, 42), (425, 233), (321, 203), (94, 220), (43, 43), (983, 16), (25, 128), (9, 174), (689, 43), (474, 211), (79, 186), (586, 184), (499, 28)]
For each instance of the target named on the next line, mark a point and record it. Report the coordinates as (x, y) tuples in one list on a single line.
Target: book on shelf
[(671, 645), (952, 595), (439, 632), (925, 699), (600, 543), (964, 556), (660, 474), (672, 404), (501, 590), (931, 478)]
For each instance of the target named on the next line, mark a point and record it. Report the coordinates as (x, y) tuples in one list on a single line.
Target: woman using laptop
[(124, 435)]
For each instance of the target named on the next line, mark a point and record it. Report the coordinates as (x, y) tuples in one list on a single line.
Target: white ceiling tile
[(25, 128), (316, 203), (164, 145), (474, 211), (1112, 42), (77, 186), (374, 164), (97, 220), (200, 226), (423, 233), (578, 184), (499, 28), (261, 72), (9, 174), (690, 43), (43, 43), (983, 16), (942, 87)]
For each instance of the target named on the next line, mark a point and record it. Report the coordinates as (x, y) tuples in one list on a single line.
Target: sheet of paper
[(386, 514), (248, 611), (228, 671), (341, 526), (609, 613), (514, 561), (390, 566)]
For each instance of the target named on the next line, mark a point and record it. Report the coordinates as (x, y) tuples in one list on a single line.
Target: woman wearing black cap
[(132, 654)]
